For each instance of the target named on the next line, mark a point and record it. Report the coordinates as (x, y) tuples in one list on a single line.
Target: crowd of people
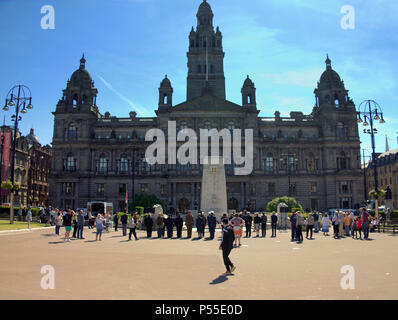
[(344, 224)]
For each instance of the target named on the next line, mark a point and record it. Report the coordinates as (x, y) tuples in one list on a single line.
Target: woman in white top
[(325, 225)]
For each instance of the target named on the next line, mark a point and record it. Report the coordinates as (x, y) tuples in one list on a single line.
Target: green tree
[(290, 202), (146, 201)]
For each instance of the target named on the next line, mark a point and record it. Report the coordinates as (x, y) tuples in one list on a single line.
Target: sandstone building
[(314, 158)]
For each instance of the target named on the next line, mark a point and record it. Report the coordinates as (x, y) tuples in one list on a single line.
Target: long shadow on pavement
[(221, 278), (55, 242)]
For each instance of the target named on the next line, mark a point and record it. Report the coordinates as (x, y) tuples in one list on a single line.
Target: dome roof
[(32, 138), (329, 77), (81, 76), (165, 82)]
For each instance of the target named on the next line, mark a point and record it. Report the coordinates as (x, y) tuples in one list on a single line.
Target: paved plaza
[(270, 268)]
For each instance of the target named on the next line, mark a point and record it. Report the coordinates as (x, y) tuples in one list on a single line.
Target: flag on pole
[(127, 203), (387, 146)]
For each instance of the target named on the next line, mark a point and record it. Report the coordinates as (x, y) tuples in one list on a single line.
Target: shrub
[(292, 204)]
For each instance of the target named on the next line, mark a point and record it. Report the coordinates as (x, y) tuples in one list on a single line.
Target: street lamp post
[(18, 96), (364, 174), (289, 160), (371, 111)]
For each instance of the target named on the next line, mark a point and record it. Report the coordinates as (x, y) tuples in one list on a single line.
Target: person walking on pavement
[(274, 222), (132, 225), (29, 217), (212, 223), (226, 245), (189, 224)]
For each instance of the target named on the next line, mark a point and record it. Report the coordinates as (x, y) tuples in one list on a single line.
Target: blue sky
[(131, 44)]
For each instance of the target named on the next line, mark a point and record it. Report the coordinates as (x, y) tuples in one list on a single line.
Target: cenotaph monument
[(214, 187)]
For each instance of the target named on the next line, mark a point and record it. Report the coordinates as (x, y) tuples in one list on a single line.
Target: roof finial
[(328, 62), (82, 62)]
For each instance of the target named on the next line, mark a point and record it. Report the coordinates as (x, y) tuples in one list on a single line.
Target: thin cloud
[(140, 111)]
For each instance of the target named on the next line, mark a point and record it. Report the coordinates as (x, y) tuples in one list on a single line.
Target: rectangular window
[(143, 188), (314, 187), (122, 188), (292, 188), (252, 188), (100, 188), (163, 189), (271, 188)]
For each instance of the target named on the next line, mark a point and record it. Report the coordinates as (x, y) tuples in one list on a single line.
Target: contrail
[(140, 111)]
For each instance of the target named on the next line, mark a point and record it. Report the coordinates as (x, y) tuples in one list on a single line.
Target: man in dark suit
[(179, 222), (248, 224), (169, 223), (212, 223), (226, 245), (274, 222), (149, 225)]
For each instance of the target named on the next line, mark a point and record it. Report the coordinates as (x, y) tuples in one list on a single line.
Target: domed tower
[(80, 93), (249, 94), (165, 94), (205, 56), (334, 108), (331, 92), (76, 111)]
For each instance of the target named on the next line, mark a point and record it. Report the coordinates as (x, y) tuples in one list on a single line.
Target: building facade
[(314, 158), (31, 170), (387, 175)]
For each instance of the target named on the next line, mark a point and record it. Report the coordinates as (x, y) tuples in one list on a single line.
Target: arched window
[(165, 98), (231, 125), (249, 98), (124, 164), (183, 125), (336, 100), (75, 100)]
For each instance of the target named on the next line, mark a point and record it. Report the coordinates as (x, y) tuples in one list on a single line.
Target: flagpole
[(127, 203)]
